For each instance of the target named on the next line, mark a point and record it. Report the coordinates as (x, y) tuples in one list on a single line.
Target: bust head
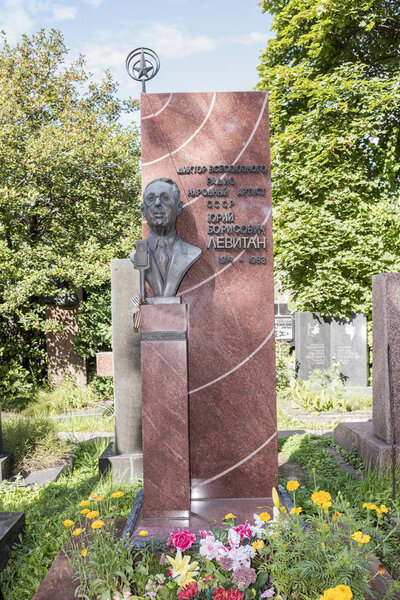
[(161, 205)]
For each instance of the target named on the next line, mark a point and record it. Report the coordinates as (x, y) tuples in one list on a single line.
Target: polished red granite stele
[(165, 419), (229, 291)]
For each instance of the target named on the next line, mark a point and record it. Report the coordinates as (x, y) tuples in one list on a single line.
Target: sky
[(203, 45)]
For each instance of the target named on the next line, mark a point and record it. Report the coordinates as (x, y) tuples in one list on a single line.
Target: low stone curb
[(45, 476)]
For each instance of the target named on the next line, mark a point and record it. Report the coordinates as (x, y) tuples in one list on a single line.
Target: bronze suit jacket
[(182, 258)]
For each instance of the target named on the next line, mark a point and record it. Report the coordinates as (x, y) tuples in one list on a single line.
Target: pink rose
[(169, 571), (204, 534), (244, 530), (182, 540)]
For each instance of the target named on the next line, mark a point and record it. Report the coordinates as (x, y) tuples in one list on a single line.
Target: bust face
[(160, 208)]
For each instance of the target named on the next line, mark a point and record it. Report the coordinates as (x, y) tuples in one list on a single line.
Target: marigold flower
[(321, 497), (296, 511), (97, 524), (370, 506), (282, 509), (340, 592), (265, 516), (360, 538), (98, 498), (84, 503), (117, 494), (381, 510), (84, 552), (92, 495), (92, 514), (68, 523), (85, 511), (326, 506), (77, 531), (229, 516), (143, 533), (292, 485), (258, 545), (336, 515)]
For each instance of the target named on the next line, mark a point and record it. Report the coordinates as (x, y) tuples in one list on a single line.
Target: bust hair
[(175, 191)]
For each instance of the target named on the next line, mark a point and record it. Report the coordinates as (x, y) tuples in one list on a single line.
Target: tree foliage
[(333, 75), (69, 185)]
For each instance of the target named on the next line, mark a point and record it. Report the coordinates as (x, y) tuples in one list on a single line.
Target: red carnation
[(189, 591)]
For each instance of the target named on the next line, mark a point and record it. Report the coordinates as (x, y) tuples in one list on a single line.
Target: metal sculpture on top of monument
[(208, 410)]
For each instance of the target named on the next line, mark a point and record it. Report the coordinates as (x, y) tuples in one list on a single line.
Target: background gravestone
[(313, 339), (320, 342), (349, 347), (215, 146)]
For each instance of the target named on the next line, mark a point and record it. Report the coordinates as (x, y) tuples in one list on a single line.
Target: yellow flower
[(360, 538), (229, 516), (77, 531), (296, 511), (381, 569), (98, 498), (117, 494), (282, 509), (92, 514), (292, 485), (85, 511), (370, 506), (92, 495), (323, 545), (84, 552), (265, 516), (143, 533), (340, 592), (84, 503), (336, 515), (381, 510), (258, 545), (97, 524), (68, 523), (275, 497), (183, 572), (326, 505), (321, 497)]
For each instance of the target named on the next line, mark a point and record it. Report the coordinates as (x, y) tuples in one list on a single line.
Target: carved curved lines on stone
[(242, 150), (202, 387), (151, 162), (238, 464), (159, 111), (224, 268)]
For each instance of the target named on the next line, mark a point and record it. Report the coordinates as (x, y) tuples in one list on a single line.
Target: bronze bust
[(164, 258)]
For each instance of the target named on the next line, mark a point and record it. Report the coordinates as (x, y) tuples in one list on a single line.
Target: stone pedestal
[(215, 147), (374, 441), (125, 456), (165, 422), (12, 524)]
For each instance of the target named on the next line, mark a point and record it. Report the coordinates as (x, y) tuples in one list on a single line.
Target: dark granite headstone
[(321, 341), (11, 525), (349, 347), (313, 343)]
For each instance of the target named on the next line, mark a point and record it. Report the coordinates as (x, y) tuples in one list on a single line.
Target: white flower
[(233, 538), (241, 556), (257, 531), (209, 547)]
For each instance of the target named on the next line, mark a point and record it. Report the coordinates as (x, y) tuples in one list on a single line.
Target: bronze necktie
[(162, 257)]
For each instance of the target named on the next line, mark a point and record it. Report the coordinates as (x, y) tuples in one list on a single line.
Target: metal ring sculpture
[(142, 64)]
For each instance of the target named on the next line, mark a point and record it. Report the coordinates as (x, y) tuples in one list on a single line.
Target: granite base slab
[(124, 467), (5, 465), (12, 524), (204, 514), (370, 448)]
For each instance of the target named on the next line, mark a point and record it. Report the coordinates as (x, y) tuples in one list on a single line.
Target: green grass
[(34, 444), (45, 510), (309, 451), (88, 424)]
